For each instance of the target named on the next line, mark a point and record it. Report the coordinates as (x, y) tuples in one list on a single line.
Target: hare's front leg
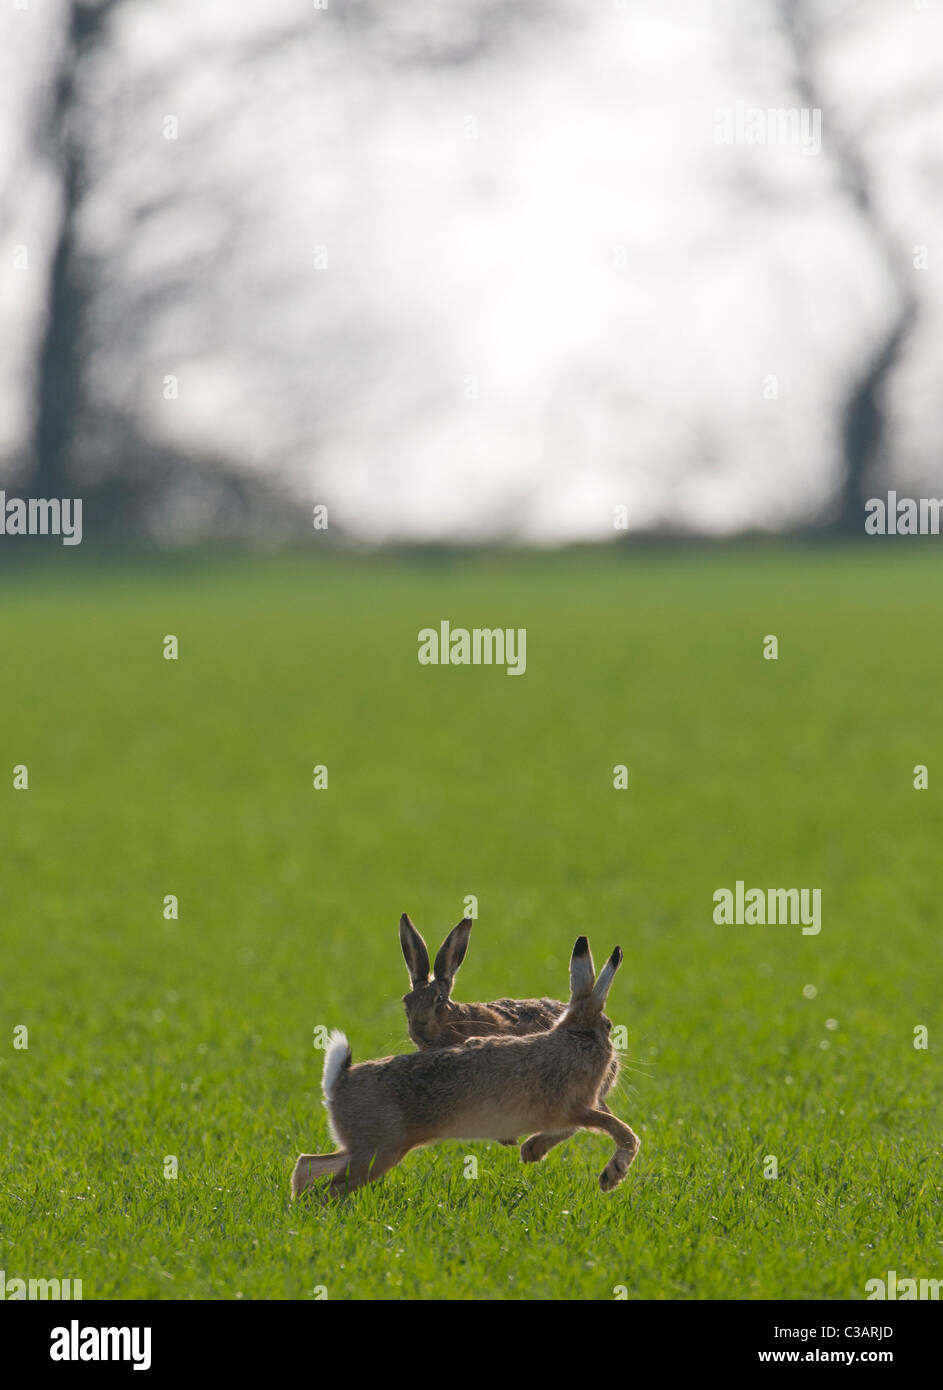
[(539, 1145), (627, 1145)]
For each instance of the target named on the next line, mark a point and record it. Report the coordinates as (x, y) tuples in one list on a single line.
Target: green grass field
[(193, 1038)]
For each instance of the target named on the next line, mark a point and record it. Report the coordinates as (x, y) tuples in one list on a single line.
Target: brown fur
[(546, 1084), (434, 1021)]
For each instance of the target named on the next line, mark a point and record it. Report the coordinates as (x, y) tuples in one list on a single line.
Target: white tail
[(336, 1059)]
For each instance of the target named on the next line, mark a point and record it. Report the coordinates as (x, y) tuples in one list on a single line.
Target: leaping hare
[(544, 1084), (434, 1021), (432, 1018)]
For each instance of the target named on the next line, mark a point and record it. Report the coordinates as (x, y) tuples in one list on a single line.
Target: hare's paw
[(615, 1170), (301, 1176), (535, 1148)]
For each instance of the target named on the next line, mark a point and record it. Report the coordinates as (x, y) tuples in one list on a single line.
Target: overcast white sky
[(549, 290)]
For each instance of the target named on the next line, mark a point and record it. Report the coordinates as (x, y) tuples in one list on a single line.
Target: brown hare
[(434, 1021), (431, 1017), (545, 1084)]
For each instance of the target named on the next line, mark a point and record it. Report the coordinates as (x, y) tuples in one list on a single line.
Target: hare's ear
[(452, 952), (414, 951), (582, 970), (601, 988)]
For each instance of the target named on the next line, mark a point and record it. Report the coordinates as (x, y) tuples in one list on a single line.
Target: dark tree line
[(147, 472)]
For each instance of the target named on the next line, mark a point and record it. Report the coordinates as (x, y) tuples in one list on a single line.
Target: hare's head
[(429, 1009), (587, 993)]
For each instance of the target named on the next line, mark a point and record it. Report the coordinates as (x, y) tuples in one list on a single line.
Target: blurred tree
[(60, 394), (134, 480), (576, 250), (809, 26)]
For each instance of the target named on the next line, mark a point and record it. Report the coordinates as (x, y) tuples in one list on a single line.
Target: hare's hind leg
[(360, 1168), (310, 1167), (539, 1145), (627, 1145)]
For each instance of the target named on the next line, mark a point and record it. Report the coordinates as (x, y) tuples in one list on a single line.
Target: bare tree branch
[(863, 422)]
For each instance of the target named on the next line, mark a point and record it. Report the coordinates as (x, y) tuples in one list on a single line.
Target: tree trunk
[(59, 390), (864, 425)]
